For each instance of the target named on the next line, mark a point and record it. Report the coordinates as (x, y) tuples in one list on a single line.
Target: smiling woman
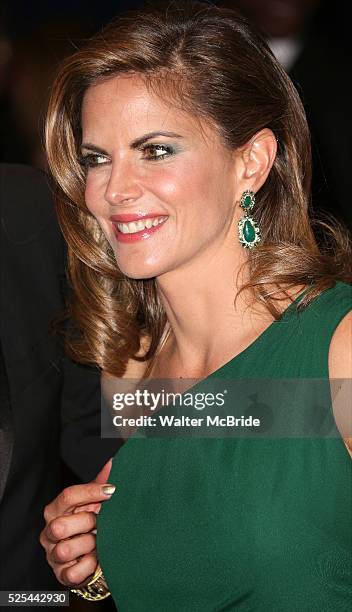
[(167, 132), (164, 179), (181, 157)]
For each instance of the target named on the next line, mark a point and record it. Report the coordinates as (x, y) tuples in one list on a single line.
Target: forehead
[(125, 103)]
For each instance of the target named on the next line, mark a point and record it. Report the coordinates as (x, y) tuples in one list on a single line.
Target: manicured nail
[(108, 489)]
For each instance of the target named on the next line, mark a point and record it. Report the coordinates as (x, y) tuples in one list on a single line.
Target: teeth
[(132, 227), (138, 226)]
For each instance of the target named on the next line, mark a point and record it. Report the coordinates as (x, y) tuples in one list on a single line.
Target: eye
[(91, 160), (156, 152)]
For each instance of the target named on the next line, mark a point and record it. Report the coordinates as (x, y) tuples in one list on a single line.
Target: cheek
[(95, 202), (165, 183), (94, 195), (201, 188), (185, 184)]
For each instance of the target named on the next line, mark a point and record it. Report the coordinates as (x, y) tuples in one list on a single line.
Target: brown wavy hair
[(210, 62)]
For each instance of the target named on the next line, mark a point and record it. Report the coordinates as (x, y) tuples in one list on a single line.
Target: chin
[(139, 276), (138, 272)]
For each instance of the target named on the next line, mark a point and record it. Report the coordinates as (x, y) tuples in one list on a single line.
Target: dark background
[(21, 15)]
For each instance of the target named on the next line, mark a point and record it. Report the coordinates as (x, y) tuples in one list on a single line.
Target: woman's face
[(160, 184)]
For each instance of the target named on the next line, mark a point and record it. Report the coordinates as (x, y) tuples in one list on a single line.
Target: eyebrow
[(135, 143)]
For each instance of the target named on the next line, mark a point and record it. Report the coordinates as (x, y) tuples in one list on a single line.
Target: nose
[(123, 184)]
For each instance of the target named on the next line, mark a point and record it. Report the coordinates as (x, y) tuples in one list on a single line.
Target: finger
[(72, 549), (47, 545), (104, 473), (79, 572), (58, 569), (75, 496), (69, 525), (88, 508)]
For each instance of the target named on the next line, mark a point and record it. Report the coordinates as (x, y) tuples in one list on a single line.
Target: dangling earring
[(248, 229)]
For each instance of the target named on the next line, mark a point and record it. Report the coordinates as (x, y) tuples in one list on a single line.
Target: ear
[(258, 156)]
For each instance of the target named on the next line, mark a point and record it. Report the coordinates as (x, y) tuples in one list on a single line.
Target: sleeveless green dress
[(248, 524)]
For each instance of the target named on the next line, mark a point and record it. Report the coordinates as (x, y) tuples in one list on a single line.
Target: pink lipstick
[(124, 224)]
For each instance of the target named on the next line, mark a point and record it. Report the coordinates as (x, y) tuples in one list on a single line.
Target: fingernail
[(108, 489)]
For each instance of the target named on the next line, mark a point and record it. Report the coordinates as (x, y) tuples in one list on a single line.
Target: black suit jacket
[(50, 407)]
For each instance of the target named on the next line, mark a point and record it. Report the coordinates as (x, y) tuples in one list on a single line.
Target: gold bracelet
[(96, 589)]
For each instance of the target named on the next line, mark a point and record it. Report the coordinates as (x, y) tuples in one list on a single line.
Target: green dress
[(238, 523)]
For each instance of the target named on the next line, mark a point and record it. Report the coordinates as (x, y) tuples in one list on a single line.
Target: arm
[(340, 374)]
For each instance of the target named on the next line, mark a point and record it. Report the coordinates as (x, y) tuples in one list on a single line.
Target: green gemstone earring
[(248, 229)]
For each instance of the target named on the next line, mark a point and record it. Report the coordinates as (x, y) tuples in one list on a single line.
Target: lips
[(127, 218), (143, 234)]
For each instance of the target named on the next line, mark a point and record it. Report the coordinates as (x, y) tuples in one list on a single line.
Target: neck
[(198, 298)]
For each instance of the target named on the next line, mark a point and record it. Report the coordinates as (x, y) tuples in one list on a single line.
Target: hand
[(70, 532)]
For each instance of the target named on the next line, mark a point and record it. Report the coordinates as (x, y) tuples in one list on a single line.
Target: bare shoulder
[(340, 374)]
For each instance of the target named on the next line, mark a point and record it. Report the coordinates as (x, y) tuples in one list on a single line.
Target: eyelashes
[(89, 160), (150, 152), (157, 151)]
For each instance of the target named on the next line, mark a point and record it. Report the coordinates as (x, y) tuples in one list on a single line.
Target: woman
[(181, 155)]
